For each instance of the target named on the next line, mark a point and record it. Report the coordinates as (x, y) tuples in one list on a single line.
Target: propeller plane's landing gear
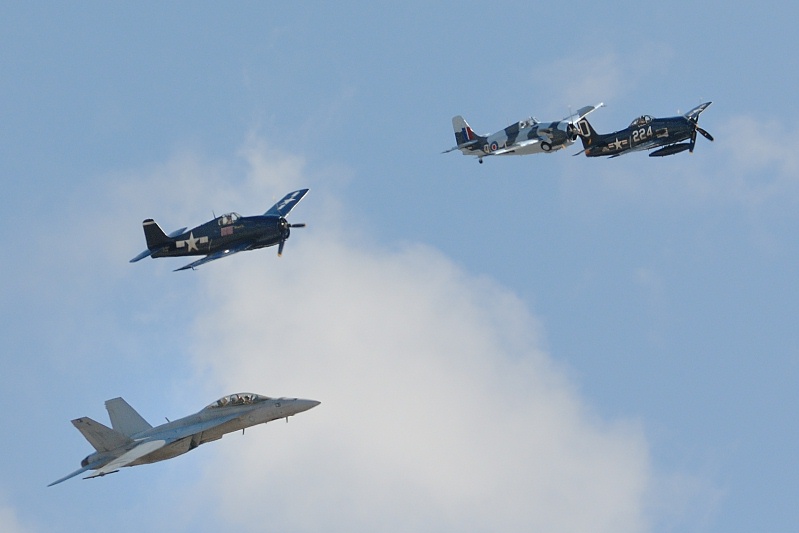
[(480, 160)]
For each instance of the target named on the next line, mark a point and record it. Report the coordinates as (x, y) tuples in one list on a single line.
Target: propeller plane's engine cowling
[(285, 231), (571, 131), (568, 129)]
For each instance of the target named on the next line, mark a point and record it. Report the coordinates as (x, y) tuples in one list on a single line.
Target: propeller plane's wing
[(513, 148), (217, 255), (582, 112), (284, 206), (693, 114)]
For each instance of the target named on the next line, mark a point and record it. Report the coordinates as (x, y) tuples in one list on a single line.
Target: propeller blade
[(280, 247), (301, 225), (706, 135), (693, 142)]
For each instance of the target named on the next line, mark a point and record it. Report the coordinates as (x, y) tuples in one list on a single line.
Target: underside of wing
[(582, 112), (693, 114), (516, 147), (129, 457), (216, 255)]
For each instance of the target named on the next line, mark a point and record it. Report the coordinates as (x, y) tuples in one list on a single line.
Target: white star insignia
[(191, 242)]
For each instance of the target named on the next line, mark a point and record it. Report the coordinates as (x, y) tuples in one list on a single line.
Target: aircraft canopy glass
[(228, 218), (643, 120), (242, 398), (529, 123)]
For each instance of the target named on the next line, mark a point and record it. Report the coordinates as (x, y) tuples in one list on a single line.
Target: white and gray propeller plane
[(525, 137), (133, 441)]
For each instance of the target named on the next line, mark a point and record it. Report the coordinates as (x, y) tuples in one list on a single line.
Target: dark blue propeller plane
[(645, 133), (225, 235)]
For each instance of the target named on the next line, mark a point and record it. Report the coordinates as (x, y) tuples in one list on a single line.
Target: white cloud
[(605, 75), (440, 410), (762, 161), (10, 523)]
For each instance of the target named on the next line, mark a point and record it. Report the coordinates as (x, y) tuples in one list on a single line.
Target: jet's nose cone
[(304, 405)]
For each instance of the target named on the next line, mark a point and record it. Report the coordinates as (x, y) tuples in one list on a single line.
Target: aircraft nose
[(303, 405)]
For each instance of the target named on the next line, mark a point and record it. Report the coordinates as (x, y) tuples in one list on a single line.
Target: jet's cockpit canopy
[(228, 218), (643, 120), (242, 398)]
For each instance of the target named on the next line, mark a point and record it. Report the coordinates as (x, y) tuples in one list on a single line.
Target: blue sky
[(536, 343)]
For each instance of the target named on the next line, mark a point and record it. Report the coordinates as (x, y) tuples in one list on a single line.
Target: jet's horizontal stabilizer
[(102, 437), (76, 472)]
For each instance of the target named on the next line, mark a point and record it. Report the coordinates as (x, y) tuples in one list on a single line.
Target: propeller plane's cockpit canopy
[(643, 120), (242, 398), (228, 218)]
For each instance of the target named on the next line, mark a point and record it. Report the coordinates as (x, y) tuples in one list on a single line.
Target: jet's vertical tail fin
[(155, 236), (463, 132), (103, 438), (124, 418)]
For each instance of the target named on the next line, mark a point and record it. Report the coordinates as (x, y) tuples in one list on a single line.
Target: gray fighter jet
[(133, 441)]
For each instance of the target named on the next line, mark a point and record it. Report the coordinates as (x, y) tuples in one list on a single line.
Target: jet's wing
[(582, 112), (176, 434), (284, 206), (693, 114), (216, 255), (128, 457)]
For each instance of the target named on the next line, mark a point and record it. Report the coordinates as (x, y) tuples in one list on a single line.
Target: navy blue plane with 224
[(225, 235), (645, 133)]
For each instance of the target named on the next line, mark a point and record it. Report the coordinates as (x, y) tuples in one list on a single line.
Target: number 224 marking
[(642, 134)]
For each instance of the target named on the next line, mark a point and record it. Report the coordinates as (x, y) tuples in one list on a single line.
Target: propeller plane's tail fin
[(464, 134), (587, 133), (155, 236)]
